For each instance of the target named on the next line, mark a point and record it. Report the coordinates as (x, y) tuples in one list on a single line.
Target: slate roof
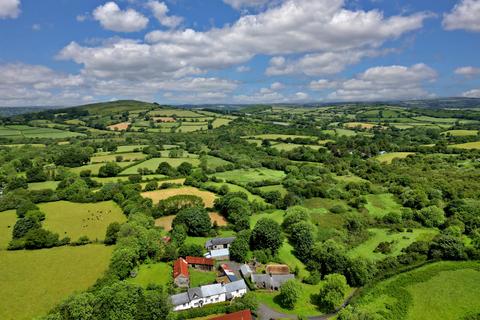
[(274, 281), (208, 291), (218, 241), (179, 299), (213, 254), (245, 270)]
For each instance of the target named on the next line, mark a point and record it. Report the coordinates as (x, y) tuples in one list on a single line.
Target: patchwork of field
[(81, 219), (94, 168), (400, 240), (214, 162), (362, 125), (127, 156), (277, 187), (389, 156), (291, 146), (34, 281), (152, 164), (23, 131), (121, 149), (244, 176), (235, 188), (461, 133), (443, 290), (280, 136), (207, 196), (7, 221), (378, 205)]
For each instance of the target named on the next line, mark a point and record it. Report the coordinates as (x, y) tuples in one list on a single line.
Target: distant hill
[(451, 103), (13, 111), (117, 106)]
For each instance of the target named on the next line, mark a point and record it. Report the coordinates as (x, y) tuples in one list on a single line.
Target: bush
[(196, 220), (332, 293), (289, 294)]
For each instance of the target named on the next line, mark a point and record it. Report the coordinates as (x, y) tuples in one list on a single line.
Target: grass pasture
[(80, 219), (155, 273), (468, 145), (277, 187), (23, 131), (34, 281), (132, 148), (272, 136), (94, 168), (461, 133), (119, 126), (378, 205), (290, 146), (443, 290), (200, 278), (152, 164), (214, 162), (361, 125), (43, 185), (157, 195), (244, 176), (128, 156), (7, 221), (236, 188), (389, 156), (401, 240)]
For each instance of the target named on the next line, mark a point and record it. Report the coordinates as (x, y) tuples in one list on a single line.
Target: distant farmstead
[(219, 243)]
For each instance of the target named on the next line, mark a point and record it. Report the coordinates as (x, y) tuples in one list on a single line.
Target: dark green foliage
[(196, 220), (73, 156), (166, 169), (448, 248), (173, 205), (266, 234), (36, 174), (112, 233), (294, 215), (333, 292), (302, 239), (151, 186), (193, 250), (40, 238), (289, 294), (24, 225), (110, 169), (185, 168), (247, 302), (240, 246)]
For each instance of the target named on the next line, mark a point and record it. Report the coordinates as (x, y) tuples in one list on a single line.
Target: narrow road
[(266, 313)]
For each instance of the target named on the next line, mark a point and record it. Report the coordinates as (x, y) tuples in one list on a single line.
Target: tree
[(431, 216), (40, 238), (333, 292), (173, 205), (289, 293), (194, 250), (73, 156), (302, 238), (110, 169), (166, 169), (112, 233), (24, 225), (124, 259), (293, 215), (447, 247), (151, 186), (248, 302), (196, 220), (79, 306), (185, 169), (179, 234), (36, 174), (239, 248), (329, 257), (266, 234)]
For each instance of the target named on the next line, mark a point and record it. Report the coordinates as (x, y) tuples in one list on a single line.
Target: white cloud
[(386, 83), (111, 17), (467, 71), (301, 96), (82, 17), (243, 69), (160, 11), (323, 29), (238, 4), (475, 93), (465, 15), (277, 86), (322, 84), (9, 9)]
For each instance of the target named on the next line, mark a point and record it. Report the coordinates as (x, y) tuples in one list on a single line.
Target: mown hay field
[(7, 221), (33, 282), (157, 195), (81, 219)]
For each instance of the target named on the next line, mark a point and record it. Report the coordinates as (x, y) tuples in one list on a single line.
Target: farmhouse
[(201, 263), (240, 315), (212, 293), (271, 282), (220, 254), (219, 243), (181, 276)]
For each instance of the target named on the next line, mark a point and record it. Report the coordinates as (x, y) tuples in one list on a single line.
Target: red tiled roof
[(240, 315), (180, 267), (200, 260)]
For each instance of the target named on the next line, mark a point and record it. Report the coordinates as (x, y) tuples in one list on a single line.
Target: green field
[(218, 122), (128, 156), (80, 219), (214, 162), (244, 176), (236, 188), (152, 164), (7, 221), (468, 145), (277, 187), (94, 168), (389, 156), (35, 281), (276, 215), (131, 148), (200, 278), (22, 131), (155, 273), (443, 290), (285, 254), (461, 133), (291, 146), (282, 136), (43, 185), (378, 205), (401, 240)]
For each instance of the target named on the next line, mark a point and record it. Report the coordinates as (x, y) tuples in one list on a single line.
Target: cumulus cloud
[(465, 15), (322, 84), (322, 29), (475, 93), (467, 71), (9, 9), (111, 17), (238, 4), (386, 83), (160, 11), (243, 69)]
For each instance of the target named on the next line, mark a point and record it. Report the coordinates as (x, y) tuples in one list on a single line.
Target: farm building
[(212, 293), (277, 269), (245, 270), (220, 254), (240, 315), (270, 282), (201, 263), (181, 276), (225, 268), (219, 243)]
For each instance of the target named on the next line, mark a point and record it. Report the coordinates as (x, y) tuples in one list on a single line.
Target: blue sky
[(69, 52)]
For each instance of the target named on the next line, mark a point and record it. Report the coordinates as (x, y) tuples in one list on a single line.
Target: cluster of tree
[(234, 206), (175, 204), (184, 169)]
